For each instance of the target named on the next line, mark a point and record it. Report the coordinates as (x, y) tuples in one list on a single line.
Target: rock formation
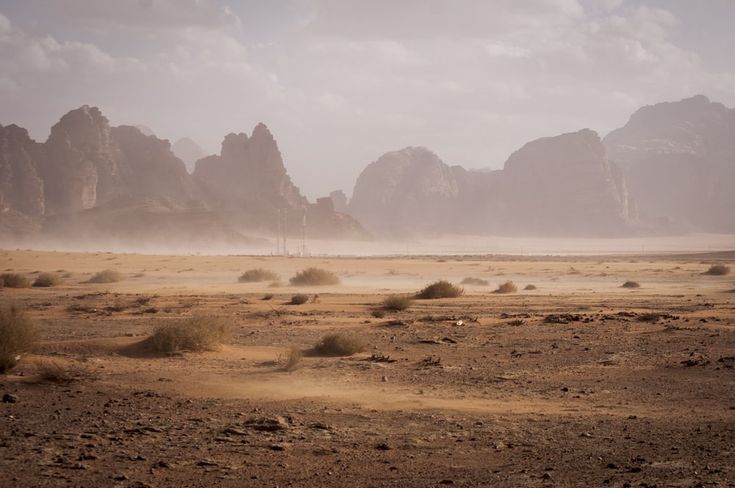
[(188, 151), (339, 200), (560, 185), (679, 162), (21, 187)]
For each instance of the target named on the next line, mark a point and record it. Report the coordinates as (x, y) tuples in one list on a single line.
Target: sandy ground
[(577, 383)]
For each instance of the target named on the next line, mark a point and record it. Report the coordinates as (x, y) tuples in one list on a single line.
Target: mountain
[(92, 184), (679, 161), (561, 185), (188, 151)]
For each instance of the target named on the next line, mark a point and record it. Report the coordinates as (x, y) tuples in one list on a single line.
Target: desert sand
[(578, 382)]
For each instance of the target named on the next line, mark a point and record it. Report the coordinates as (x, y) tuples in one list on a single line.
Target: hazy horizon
[(341, 83)]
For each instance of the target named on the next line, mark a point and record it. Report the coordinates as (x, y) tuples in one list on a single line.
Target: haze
[(340, 83)]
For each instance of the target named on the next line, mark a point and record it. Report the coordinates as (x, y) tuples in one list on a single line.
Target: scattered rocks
[(10, 398)]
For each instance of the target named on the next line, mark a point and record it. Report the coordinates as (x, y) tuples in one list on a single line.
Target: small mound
[(440, 289), (530, 287), (717, 270), (257, 274), (45, 280), (631, 284), (194, 334), (337, 345), (14, 280), (397, 303), (299, 299), (507, 287), (474, 281), (106, 276), (314, 277)]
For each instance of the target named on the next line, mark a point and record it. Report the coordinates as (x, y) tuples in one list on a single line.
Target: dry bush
[(397, 303), (46, 280), (292, 359), (106, 276), (475, 281), (299, 299), (199, 333), (267, 296), (507, 287), (717, 270), (257, 274), (378, 314), (338, 345), (440, 289), (54, 372), (530, 287), (631, 284), (14, 280), (314, 277), (17, 335)]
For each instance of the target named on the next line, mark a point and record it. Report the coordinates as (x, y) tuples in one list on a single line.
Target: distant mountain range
[(670, 169)]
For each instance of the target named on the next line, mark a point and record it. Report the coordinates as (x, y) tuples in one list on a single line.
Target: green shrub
[(299, 299), (717, 270), (199, 333), (314, 277), (440, 289), (47, 279), (396, 303), (507, 287), (338, 345), (106, 276), (475, 281), (17, 335), (257, 274), (14, 280)]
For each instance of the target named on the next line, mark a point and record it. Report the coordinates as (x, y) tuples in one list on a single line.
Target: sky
[(340, 82)]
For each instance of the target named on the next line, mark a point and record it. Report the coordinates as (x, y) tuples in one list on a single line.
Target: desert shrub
[(397, 303), (631, 284), (15, 280), (475, 281), (47, 279), (292, 359), (199, 333), (507, 287), (338, 345), (267, 296), (257, 274), (53, 372), (299, 299), (314, 277), (17, 335), (378, 314), (530, 287), (717, 270), (106, 276), (440, 289)]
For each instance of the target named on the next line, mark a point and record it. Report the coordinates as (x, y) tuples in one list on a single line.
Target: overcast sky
[(340, 82)]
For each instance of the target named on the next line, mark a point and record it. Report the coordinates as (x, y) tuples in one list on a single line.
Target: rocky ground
[(579, 382)]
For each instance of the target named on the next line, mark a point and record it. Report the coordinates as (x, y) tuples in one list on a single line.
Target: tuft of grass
[(717, 270), (257, 274), (292, 359), (106, 276), (530, 287), (397, 303), (631, 284), (53, 372), (440, 289), (507, 287), (46, 280), (194, 334), (299, 299), (474, 281), (14, 280), (338, 345), (17, 336), (314, 277)]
